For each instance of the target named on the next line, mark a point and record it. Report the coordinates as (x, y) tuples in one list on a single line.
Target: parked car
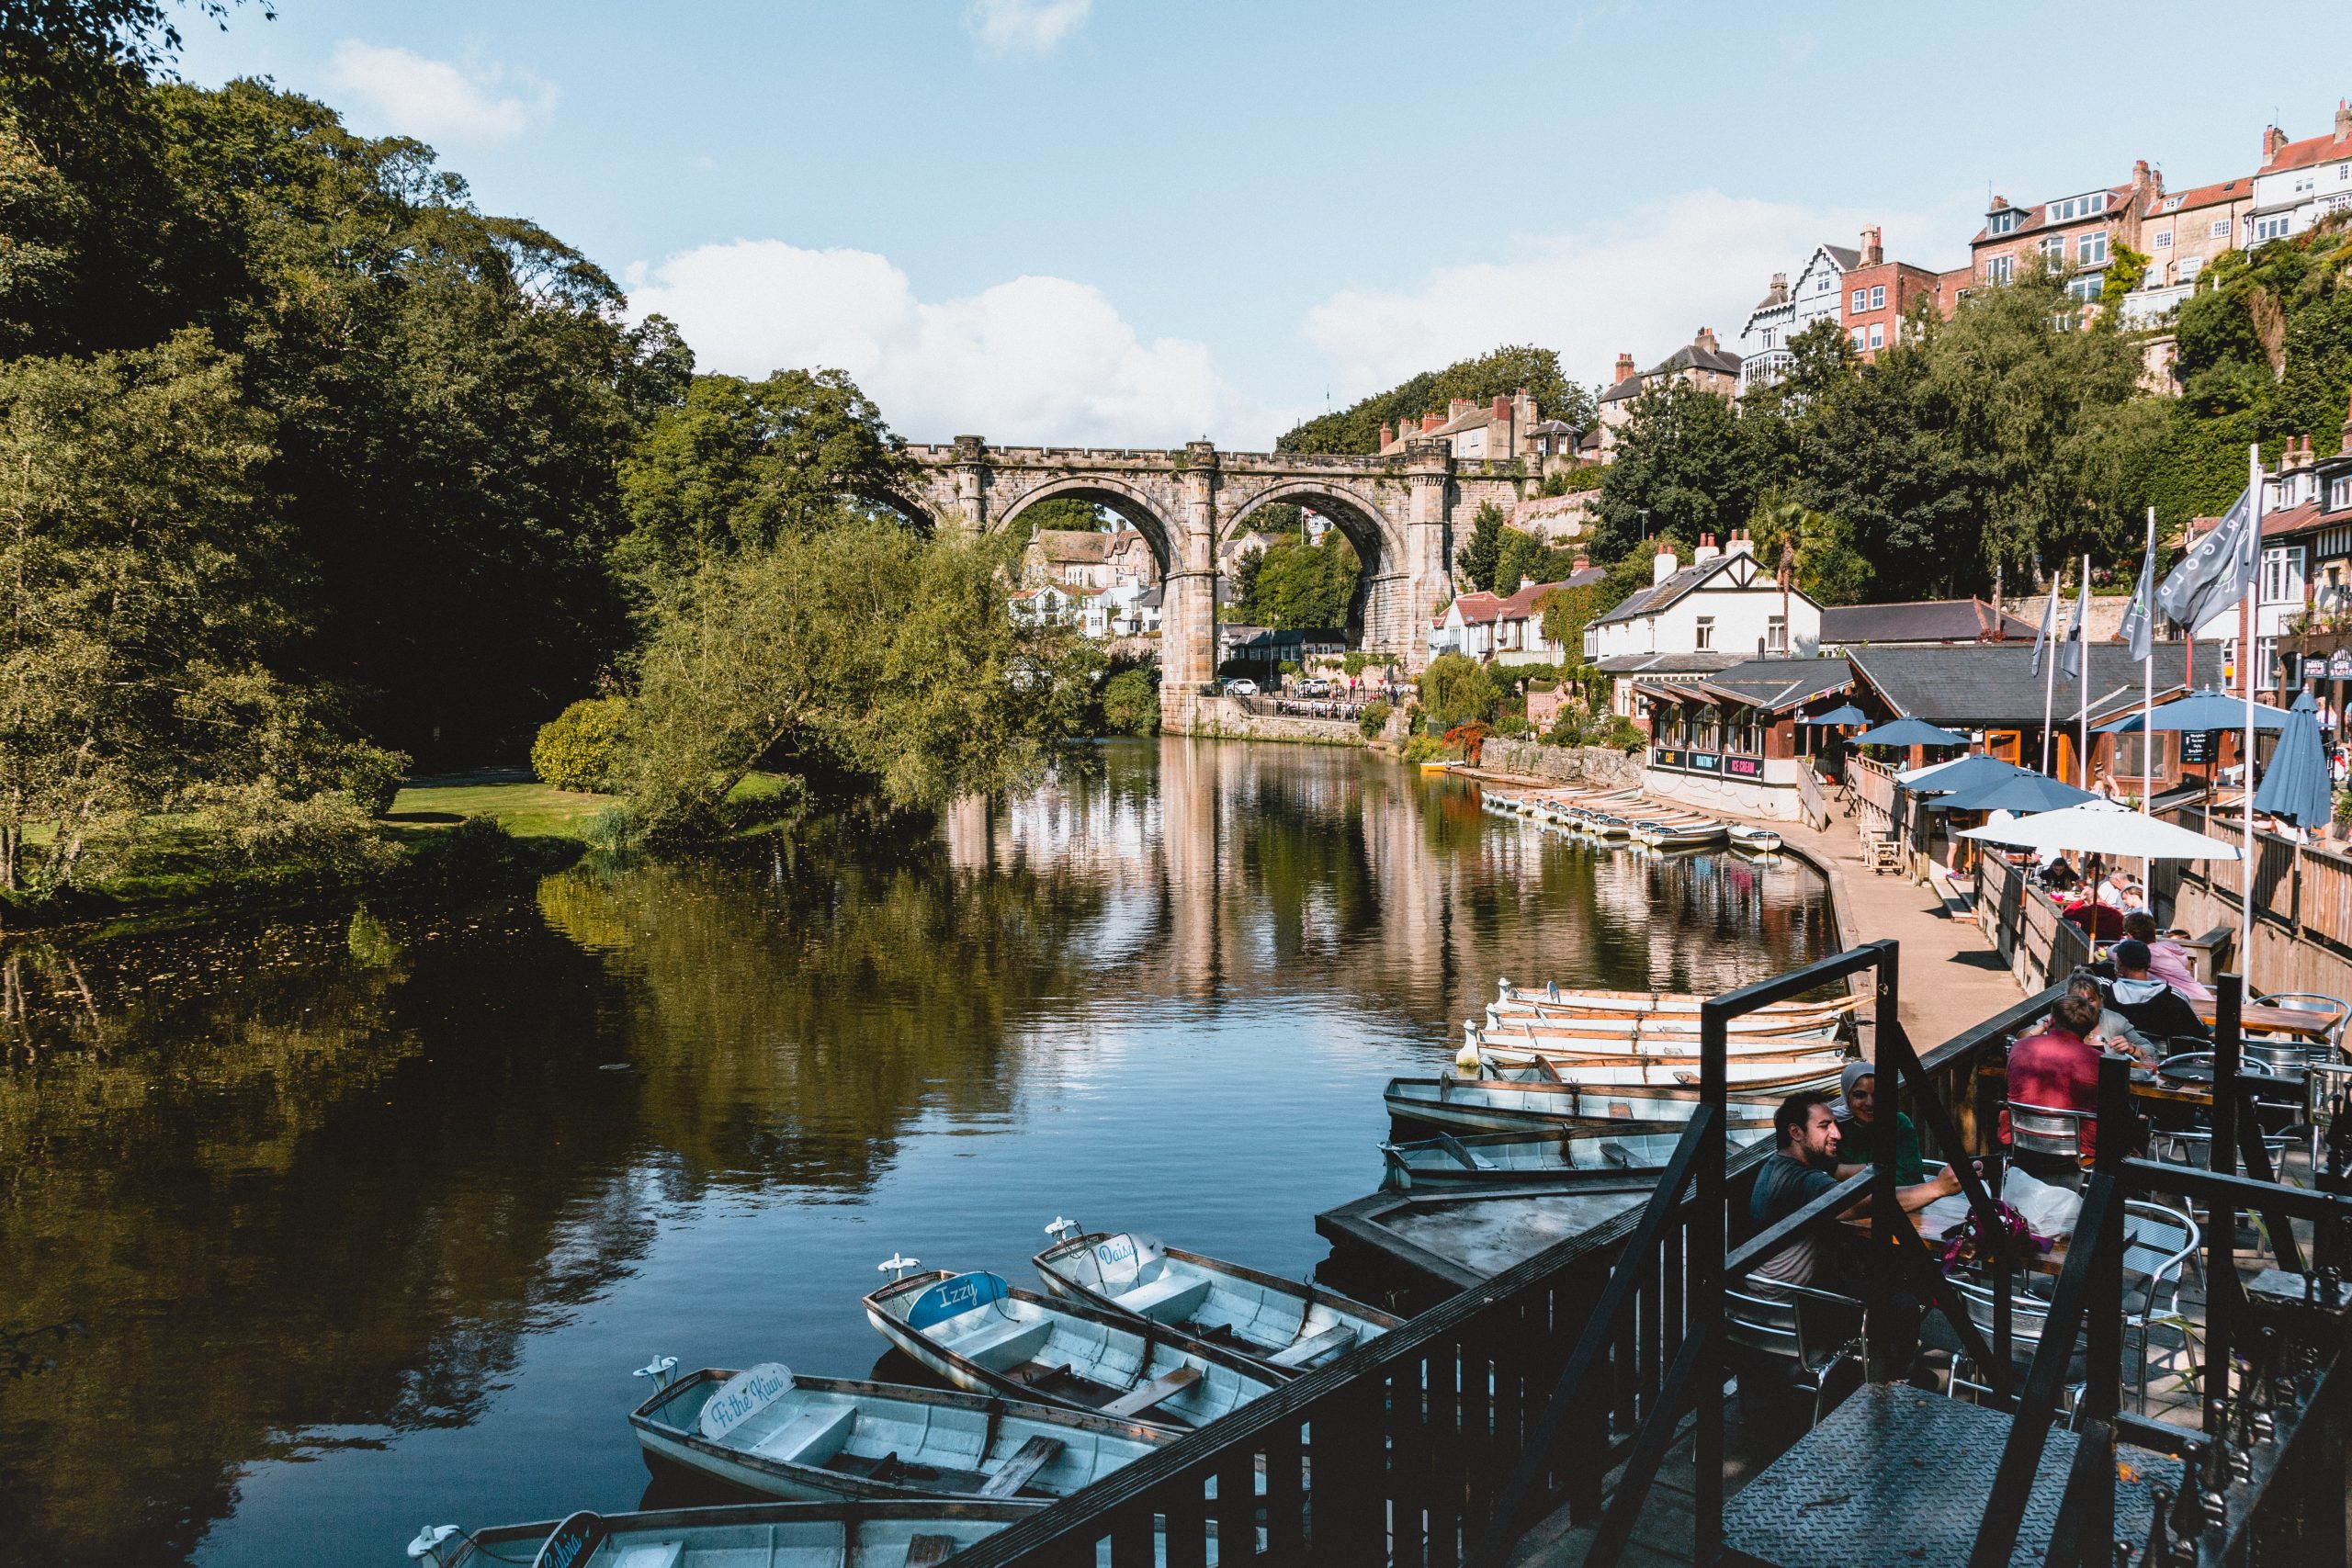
[(1315, 688), (1244, 687)]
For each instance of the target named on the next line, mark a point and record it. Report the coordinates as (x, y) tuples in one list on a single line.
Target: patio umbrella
[(2297, 786), (1845, 713), (2202, 710), (2026, 792), (2104, 828), (1909, 732), (1960, 772)]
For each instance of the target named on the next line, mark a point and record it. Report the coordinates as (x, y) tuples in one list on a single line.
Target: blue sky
[(1111, 222)]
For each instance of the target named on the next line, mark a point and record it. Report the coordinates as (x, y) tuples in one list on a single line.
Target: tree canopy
[(1356, 428)]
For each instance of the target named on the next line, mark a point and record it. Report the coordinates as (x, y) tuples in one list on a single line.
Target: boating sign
[(953, 1297), (743, 1395), (573, 1542)]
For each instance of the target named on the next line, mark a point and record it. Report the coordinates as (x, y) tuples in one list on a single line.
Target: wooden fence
[(1811, 802), (2040, 945), (1873, 786), (2306, 888)]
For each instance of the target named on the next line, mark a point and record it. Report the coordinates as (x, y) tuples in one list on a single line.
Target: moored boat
[(1681, 1027), (1663, 1005), (771, 1431), (1787, 1071), (1754, 839), (806, 1535), (1501, 1160), (981, 1334), (1506, 1104), (1290, 1328)]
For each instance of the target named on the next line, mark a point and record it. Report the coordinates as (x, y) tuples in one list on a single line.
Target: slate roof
[(1776, 683), (1932, 620), (1631, 387), (1658, 596), (1992, 686), (1668, 664), (1691, 354)]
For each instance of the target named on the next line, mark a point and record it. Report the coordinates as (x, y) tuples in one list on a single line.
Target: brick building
[(1878, 293)]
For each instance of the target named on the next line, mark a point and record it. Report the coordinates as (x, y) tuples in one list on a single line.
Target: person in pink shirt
[(2167, 961)]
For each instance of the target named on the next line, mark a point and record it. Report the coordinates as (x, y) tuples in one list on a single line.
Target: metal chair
[(1816, 1331), (2312, 1001), (2047, 1131), (2158, 1243), (2026, 1317)]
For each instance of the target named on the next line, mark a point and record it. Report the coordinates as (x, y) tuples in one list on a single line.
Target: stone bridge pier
[(1403, 513)]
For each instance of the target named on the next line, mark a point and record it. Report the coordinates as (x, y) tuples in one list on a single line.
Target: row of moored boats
[(1129, 1343), (1627, 815)]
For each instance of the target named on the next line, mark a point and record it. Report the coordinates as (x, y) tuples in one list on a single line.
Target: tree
[(1302, 587), (1356, 429), (1481, 554), (1130, 706), (1680, 463), (1458, 691), (144, 574), (858, 655), (1825, 564)]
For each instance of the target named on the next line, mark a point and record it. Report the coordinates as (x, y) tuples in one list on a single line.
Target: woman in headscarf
[(1863, 1122)]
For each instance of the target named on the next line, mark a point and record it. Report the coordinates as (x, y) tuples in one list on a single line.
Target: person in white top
[(2115, 890)]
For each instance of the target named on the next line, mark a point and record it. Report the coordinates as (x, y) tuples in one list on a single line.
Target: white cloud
[(435, 100), (1031, 360), (1024, 27), (1641, 284)]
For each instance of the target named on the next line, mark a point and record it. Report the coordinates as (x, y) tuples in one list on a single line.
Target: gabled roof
[(1631, 387), (2326, 148), (2200, 196), (1691, 354), (1668, 664), (1660, 595), (1772, 684), (1933, 620), (1992, 686)]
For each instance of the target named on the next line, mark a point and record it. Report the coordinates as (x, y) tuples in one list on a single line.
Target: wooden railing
[(1873, 786), (2041, 946), (1810, 800), (2306, 888)]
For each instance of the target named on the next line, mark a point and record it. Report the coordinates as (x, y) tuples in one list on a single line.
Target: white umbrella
[(2105, 827)]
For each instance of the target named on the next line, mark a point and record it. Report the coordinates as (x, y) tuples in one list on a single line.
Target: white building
[(1819, 294), (2300, 182), (1764, 358), (1724, 605)]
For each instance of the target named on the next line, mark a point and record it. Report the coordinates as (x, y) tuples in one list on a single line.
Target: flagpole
[(2083, 659), (2246, 655), (2146, 590), (2050, 673)]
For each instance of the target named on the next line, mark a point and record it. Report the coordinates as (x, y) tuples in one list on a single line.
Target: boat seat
[(654, 1554), (1171, 1298), (1306, 1352), (810, 1437), (1027, 1461), (1001, 1345), (1159, 1391)]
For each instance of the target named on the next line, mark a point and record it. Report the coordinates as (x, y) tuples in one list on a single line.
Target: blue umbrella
[(1969, 773), (2296, 786), (1909, 732), (2024, 793), (2200, 710), (1843, 714)]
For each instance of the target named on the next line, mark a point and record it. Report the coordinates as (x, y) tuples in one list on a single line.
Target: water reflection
[(368, 1216)]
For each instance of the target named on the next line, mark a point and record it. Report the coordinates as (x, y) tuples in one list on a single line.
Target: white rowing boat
[(981, 1334), (1525, 1159), (1288, 1327), (771, 1431), (1664, 1026), (805, 1535), (1494, 1105)]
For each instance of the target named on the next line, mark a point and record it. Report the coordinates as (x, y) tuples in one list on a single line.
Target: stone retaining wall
[(1594, 765), (1225, 717)]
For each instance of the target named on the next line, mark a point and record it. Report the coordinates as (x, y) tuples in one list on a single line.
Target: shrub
[(1130, 707), (577, 749), (1374, 719), (371, 777), (1512, 724), (614, 828), (1623, 735), (1424, 749)]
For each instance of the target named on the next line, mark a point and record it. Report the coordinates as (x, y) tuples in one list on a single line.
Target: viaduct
[(1401, 511)]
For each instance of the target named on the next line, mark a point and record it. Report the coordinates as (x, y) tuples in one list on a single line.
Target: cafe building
[(1735, 739)]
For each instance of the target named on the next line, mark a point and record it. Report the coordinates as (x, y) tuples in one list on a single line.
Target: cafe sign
[(2339, 664)]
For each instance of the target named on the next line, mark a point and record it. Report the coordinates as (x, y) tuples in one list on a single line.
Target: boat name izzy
[(747, 1393)]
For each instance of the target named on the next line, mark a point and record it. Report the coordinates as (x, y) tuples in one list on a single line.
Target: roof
[(1669, 663), (1659, 595), (1773, 684), (1072, 545), (1932, 620), (1691, 355), (2324, 148), (1774, 298), (1992, 686), (2199, 196), (2038, 215), (1552, 427), (1631, 387), (1585, 578)]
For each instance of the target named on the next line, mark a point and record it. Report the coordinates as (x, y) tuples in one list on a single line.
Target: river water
[(359, 1223)]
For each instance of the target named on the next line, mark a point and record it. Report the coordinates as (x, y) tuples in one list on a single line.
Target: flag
[(2216, 572), (2070, 658), (2049, 626), (2139, 621)]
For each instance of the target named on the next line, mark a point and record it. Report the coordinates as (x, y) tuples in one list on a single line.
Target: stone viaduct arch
[(1402, 511)]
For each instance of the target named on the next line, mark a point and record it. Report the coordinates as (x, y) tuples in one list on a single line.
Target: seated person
[(2113, 1032), (2057, 1070), (2154, 1008), (1803, 1166), (2059, 875), (1860, 1127), (2168, 960)]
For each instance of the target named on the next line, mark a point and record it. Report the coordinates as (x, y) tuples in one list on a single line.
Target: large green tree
[(1356, 429), (1682, 462), (1299, 587)]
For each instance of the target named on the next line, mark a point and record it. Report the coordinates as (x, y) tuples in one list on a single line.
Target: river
[(352, 1224)]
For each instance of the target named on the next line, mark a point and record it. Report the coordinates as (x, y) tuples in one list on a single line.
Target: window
[(1824, 283), (2339, 494), (2091, 251), (1706, 633), (2075, 207), (2282, 575), (2155, 276), (2054, 248), (2000, 269), (2303, 186), (1859, 339), (2271, 228), (1878, 334), (1776, 635), (1878, 296), (2087, 289), (2005, 221), (2190, 266), (2221, 228), (1861, 298), (2164, 240), (2266, 668)]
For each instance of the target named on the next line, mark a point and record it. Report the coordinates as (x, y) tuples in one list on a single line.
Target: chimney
[(1705, 339), (2343, 120), (1500, 410), (1706, 550), (1874, 251), (1387, 435), (2348, 429), (1741, 544), (1624, 370), (1457, 408), (1430, 422), (1666, 565), (1780, 284), (2296, 457), (2272, 139), (1999, 204)]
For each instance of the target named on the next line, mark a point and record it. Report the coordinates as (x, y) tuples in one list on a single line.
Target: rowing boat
[(981, 1334), (806, 1535), (1506, 1104), (771, 1431), (1499, 1159), (1660, 1005), (1662, 1026), (1785, 1070), (1756, 840), (1290, 1327)]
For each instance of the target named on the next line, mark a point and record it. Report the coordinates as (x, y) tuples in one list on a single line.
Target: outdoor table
[(2277, 1020)]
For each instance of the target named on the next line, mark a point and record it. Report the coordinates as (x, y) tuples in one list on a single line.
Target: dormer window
[(2005, 221)]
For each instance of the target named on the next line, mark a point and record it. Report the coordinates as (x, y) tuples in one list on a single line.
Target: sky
[(1137, 223)]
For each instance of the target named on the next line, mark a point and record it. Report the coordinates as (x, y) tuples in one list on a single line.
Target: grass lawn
[(525, 808)]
